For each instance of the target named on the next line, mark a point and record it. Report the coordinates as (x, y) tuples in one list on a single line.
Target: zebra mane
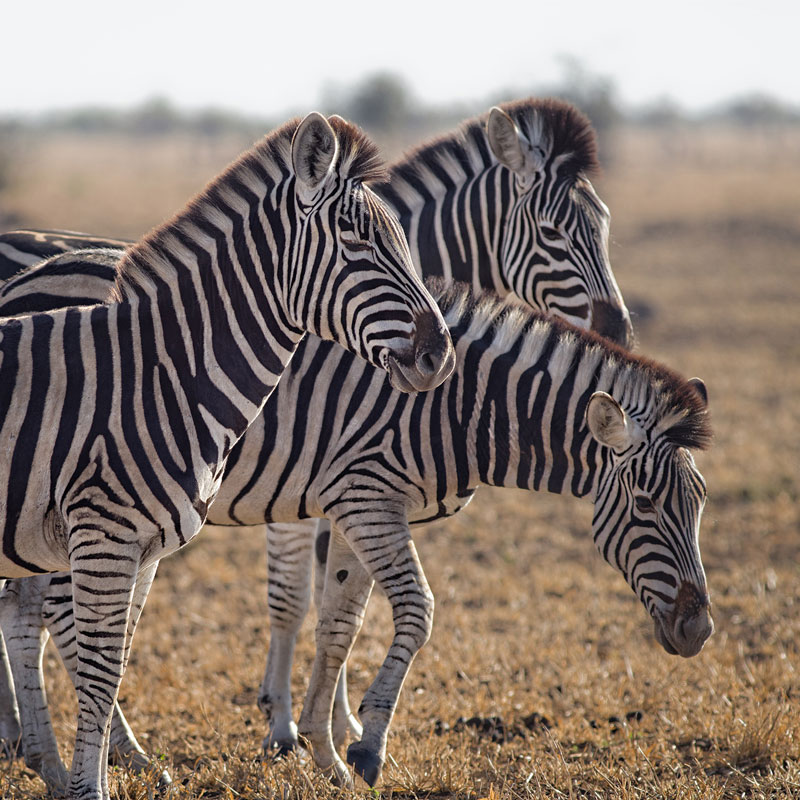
[(560, 129), (556, 126), (667, 403), (255, 172)]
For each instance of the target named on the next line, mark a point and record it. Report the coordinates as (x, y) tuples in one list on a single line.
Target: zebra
[(503, 202), (531, 404), (145, 396)]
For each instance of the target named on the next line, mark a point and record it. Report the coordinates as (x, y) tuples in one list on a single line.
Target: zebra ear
[(608, 422), (505, 140), (314, 151), (700, 388)]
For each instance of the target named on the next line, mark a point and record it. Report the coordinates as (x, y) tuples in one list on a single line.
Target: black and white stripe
[(117, 419), (532, 404)]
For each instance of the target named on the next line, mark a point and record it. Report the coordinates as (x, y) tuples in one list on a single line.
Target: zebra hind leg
[(289, 570), (25, 636), (345, 599), (344, 723)]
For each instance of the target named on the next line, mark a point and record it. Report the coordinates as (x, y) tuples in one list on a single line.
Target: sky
[(265, 57)]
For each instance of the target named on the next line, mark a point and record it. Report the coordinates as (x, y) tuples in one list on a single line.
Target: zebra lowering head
[(649, 500), (554, 247), (414, 349)]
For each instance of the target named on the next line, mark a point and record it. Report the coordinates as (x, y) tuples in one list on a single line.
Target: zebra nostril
[(426, 364)]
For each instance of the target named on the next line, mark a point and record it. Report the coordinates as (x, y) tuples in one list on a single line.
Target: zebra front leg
[(103, 581), (57, 615), (25, 636), (382, 541), (344, 721), (123, 748), (289, 574), (347, 590)]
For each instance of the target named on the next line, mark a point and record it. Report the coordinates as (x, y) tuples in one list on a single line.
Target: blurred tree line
[(383, 102), (385, 105)]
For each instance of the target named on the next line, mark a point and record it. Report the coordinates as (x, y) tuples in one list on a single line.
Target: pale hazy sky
[(265, 57)]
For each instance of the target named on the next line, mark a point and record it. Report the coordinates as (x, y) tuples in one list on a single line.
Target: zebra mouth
[(684, 635), (397, 375), (422, 368), (662, 638)]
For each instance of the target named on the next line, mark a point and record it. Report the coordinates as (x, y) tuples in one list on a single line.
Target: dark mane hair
[(566, 130), (558, 127), (359, 156), (680, 411)]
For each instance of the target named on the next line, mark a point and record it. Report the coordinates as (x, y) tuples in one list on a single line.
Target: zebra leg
[(383, 542), (25, 636), (57, 615), (289, 574), (345, 599), (344, 720), (103, 582), (10, 730)]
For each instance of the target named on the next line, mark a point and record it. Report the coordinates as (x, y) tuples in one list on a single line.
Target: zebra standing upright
[(503, 203), (531, 404), (118, 419)]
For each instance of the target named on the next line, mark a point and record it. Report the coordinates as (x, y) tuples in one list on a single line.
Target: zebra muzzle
[(684, 630), (428, 361)]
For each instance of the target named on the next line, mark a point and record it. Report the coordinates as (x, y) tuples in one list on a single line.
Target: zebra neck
[(213, 283), (451, 199), (528, 430)]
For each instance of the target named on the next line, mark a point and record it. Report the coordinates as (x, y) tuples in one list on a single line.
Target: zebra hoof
[(276, 749), (366, 763), (164, 782)]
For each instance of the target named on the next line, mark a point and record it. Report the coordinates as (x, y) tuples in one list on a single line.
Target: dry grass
[(542, 678)]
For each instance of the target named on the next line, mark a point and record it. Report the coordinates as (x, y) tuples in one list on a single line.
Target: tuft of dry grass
[(541, 679)]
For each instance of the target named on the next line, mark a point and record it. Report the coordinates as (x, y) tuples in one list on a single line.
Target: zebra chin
[(684, 629)]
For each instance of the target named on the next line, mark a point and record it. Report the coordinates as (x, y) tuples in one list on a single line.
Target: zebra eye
[(352, 241), (550, 233), (644, 504)]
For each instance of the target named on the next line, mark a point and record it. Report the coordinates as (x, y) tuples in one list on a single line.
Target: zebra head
[(365, 293), (647, 516), (555, 240)]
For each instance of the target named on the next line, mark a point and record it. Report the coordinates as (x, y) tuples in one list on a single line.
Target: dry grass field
[(542, 678)]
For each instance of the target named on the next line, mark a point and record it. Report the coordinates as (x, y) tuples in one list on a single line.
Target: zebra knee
[(416, 622)]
